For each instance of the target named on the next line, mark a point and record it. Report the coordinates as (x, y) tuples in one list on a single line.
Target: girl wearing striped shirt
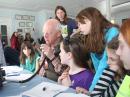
[(112, 77)]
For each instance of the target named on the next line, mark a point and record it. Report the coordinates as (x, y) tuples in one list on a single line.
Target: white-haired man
[(52, 36)]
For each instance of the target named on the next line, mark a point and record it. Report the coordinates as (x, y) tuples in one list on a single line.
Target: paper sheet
[(14, 73), (71, 95), (17, 78), (51, 90), (12, 69)]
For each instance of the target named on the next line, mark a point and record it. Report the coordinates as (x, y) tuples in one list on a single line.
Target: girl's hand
[(64, 79), (81, 90)]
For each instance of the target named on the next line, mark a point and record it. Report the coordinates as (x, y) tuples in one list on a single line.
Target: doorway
[(5, 29)]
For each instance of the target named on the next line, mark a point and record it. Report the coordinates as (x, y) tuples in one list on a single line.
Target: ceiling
[(120, 5), (72, 6)]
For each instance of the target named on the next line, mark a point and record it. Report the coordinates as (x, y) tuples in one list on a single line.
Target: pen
[(58, 93), (13, 74)]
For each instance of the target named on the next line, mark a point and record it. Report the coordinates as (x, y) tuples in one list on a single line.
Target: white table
[(13, 89)]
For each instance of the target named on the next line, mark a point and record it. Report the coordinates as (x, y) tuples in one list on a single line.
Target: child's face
[(60, 14), (27, 51), (113, 58), (124, 52), (85, 28), (63, 55)]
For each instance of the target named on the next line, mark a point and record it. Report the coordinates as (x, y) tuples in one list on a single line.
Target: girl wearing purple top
[(74, 55)]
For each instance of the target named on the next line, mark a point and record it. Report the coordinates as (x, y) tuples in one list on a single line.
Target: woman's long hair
[(23, 56), (13, 35), (125, 30), (98, 26)]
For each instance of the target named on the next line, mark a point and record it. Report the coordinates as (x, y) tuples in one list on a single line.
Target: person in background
[(14, 41), (74, 55), (36, 47), (2, 57), (28, 57), (52, 36), (28, 38), (124, 52), (98, 31), (41, 40), (67, 24), (11, 56), (20, 40)]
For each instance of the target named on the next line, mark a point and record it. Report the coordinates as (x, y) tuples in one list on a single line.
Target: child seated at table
[(112, 77), (74, 55), (28, 56)]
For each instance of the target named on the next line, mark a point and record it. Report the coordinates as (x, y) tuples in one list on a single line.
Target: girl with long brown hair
[(28, 56), (67, 24), (98, 31)]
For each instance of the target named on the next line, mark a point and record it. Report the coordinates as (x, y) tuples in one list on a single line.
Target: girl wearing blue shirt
[(98, 31), (28, 56)]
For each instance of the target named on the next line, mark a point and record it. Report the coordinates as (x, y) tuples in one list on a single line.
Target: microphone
[(26, 80)]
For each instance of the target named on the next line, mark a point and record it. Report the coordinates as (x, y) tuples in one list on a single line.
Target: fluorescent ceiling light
[(9, 1), (121, 5)]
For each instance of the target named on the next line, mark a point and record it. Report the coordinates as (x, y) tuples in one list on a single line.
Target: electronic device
[(2, 74)]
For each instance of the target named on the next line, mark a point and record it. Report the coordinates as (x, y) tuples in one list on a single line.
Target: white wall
[(40, 18), (10, 14), (119, 16)]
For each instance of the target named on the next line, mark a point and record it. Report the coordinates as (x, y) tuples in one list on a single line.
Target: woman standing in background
[(67, 24), (28, 37), (14, 41)]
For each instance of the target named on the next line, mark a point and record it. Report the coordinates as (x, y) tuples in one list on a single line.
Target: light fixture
[(121, 5)]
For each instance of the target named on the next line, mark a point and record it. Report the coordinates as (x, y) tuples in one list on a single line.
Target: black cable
[(26, 80)]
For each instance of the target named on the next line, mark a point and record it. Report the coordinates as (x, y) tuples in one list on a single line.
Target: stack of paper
[(17, 78), (10, 70), (14, 73)]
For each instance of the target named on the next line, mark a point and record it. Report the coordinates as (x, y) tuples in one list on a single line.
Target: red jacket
[(14, 43)]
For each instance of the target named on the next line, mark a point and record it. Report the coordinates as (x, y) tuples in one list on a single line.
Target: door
[(4, 37)]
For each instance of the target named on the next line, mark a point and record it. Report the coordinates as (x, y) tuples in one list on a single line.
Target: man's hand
[(48, 51)]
